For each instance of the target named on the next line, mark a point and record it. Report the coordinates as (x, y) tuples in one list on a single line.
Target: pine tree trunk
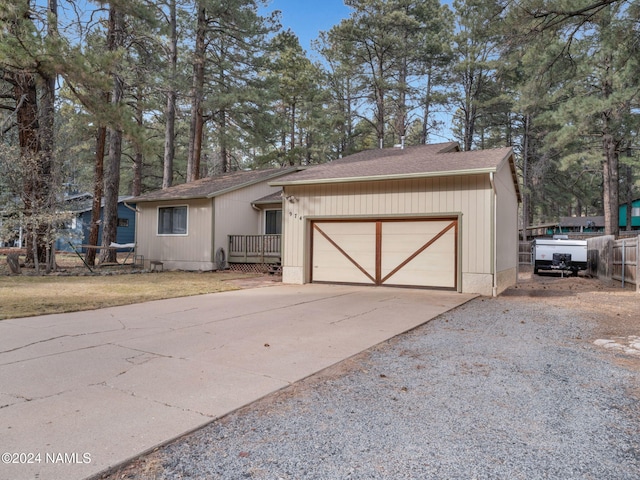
[(292, 134), (401, 116), (629, 213), (170, 112), (610, 190), (98, 184), (225, 155), (138, 155), (169, 136), (197, 121), (380, 115), (424, 134), (46, 179), (112, 171), (349, 140), (526, 198), (610, 172), (25, 93)]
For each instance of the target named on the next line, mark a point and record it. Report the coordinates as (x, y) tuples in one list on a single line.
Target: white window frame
[(171, 234)]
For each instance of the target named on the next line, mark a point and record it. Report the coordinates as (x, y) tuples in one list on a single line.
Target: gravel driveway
[(516, 387)]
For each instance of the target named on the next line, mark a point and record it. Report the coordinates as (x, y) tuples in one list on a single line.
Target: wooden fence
[(524, 253), (609, 258), (625, 262), (599, 256)]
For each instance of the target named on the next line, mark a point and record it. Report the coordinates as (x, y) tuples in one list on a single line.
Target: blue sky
[(306, 18)]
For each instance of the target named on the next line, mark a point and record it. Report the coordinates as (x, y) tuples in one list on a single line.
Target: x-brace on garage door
[(402, 252)]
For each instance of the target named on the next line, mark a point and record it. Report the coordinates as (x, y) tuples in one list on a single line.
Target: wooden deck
[(265, 249)]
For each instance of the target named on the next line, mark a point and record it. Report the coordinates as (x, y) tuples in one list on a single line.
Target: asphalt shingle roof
[(274, 197), (581, 221), (213, 186), (428, 160)]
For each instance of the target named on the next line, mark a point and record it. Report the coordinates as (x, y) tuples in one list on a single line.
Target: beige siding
[(192, 251), (468, 195), (234, 214), (507, 221), (231, 212)]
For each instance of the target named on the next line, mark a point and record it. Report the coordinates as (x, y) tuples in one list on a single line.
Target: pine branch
[(555, 17)]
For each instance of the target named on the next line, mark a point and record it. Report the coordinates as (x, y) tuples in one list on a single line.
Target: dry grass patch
[(25, 296)]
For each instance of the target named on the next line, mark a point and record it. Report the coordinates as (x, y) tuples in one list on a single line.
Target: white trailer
[(559, 254)]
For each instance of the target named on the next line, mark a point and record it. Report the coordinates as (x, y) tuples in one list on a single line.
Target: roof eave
[(266, 202), (220, 192), (170, 199), (254, 182), (377, 178)]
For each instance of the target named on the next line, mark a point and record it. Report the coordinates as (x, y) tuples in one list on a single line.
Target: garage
[(392, 252), (427, 216)]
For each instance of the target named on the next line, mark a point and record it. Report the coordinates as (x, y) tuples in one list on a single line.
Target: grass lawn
[(27, 295)]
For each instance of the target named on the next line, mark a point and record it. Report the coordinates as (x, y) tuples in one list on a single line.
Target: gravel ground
[(510, 388)]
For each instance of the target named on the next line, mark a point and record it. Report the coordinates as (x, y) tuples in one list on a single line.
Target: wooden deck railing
[(254, 249)]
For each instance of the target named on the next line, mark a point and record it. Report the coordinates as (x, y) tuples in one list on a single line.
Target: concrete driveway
[(84, 391)]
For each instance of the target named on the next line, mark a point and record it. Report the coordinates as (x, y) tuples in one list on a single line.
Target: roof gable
[(214, 186)]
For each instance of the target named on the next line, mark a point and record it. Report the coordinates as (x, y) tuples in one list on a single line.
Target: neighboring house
[(581, 225), (77, 229), (425, 216), (635, 215), (202, 225)]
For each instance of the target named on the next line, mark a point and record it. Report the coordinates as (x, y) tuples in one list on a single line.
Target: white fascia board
[(377, 178)]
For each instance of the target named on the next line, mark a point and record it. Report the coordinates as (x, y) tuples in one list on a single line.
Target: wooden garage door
[(386, 252)]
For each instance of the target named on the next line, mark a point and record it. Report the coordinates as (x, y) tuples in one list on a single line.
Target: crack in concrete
[(257, 374), (158, 402), (35, 399), (354, 316), (52, 354), (32, 343), (274, 309), (20, 398), (142, 358), (155, 354), (86, 348), (51, 339)]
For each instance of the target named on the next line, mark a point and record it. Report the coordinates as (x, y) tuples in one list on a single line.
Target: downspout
[(212, 260), (494, 234)]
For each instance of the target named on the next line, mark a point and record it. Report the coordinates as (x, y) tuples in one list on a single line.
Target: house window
[(123, 222), (273, 222), (172, 220), (635, 212)]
